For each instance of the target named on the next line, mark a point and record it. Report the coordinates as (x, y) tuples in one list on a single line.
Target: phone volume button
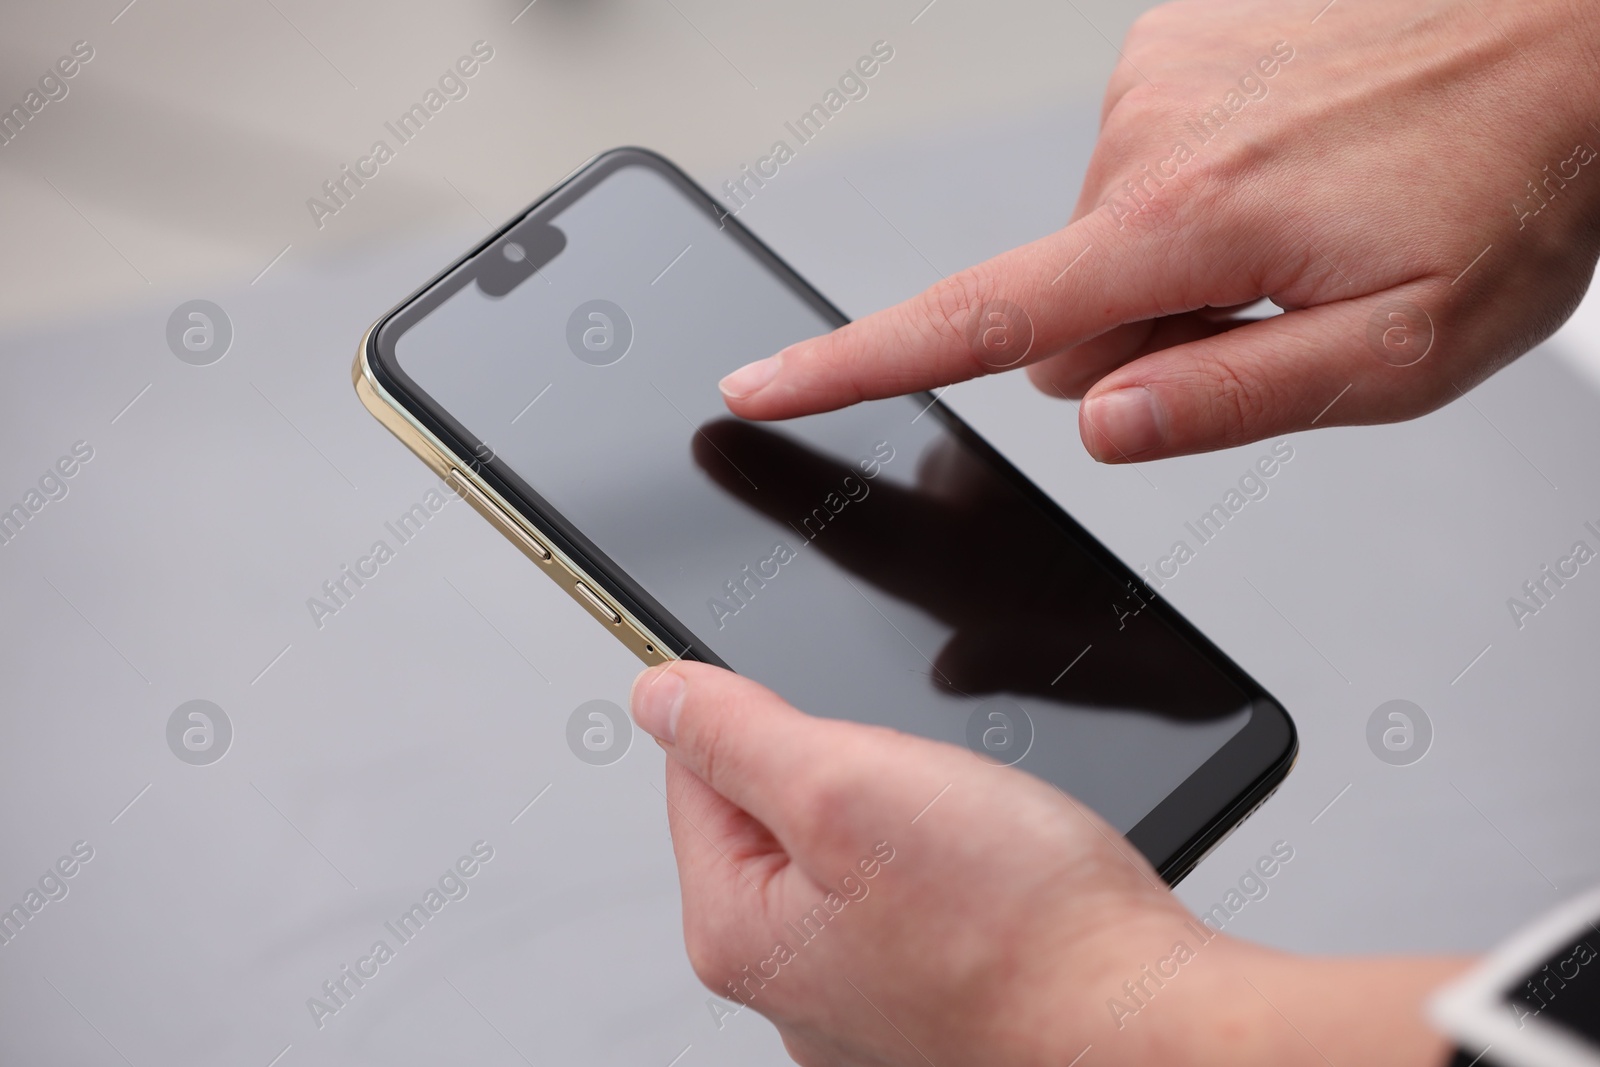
[(606, 610), (500, 516)]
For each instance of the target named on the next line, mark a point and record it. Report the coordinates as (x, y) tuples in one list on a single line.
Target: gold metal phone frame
[(459, 474)]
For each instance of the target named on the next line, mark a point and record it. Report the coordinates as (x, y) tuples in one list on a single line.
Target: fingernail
[(1126, 423), (750, 378), (657, 700)]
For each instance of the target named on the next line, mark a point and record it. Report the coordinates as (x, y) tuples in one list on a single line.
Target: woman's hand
[(886, 899), (1415, 182)]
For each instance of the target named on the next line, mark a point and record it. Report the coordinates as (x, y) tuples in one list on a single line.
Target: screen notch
[(515, 256)]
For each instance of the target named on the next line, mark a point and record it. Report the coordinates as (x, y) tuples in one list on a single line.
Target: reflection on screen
[(865, 563)]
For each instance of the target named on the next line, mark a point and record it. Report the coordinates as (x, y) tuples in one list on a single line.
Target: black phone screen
[(878, 563), (1563, 991)]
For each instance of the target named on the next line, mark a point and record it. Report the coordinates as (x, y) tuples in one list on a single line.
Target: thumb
[(820, 786), (783, 767), (1351, 362)]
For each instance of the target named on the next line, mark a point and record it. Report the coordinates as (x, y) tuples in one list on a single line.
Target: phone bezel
[(1182, 828)]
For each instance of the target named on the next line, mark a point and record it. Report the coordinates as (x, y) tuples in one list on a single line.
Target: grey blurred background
[(368, 755)]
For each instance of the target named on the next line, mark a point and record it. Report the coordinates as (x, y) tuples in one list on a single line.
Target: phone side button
[(500, 518), (606, 611)]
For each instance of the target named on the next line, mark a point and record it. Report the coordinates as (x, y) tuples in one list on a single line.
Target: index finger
[(1017, 308)]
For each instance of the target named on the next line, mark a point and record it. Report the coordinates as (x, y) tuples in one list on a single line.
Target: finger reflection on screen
[(966, 547)]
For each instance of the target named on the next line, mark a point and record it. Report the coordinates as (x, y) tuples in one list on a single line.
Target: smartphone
[(880, 563)]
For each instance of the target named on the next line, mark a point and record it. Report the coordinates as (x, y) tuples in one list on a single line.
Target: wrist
[(1252, 1005), (1166, 989)]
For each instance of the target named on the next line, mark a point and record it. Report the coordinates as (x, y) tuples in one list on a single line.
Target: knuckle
[(1436, 394), (1551, 251), (703, 945), (952, 302), (833, 349), (1148, 27), (1441, 381), (1218, 172), (1461, 352), (1139, 104), (1135, 125), (1160, 187), (949, 313), (1381, 401), (804, 1052), (1237, 401)]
